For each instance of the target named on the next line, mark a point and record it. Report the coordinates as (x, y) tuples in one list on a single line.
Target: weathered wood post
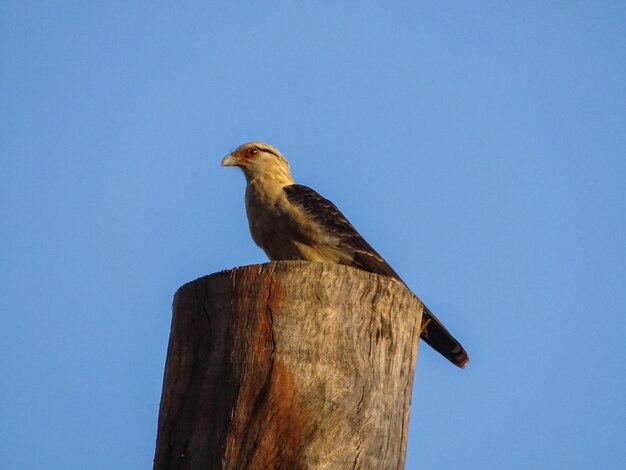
[(290, 365)]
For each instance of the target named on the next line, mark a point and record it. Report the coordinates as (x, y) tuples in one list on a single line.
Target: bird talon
[(425, 323)]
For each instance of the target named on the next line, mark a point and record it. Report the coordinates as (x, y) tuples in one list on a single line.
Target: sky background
[(479, 146)]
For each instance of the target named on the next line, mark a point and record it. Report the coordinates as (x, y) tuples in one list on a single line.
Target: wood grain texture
[(291, 365)]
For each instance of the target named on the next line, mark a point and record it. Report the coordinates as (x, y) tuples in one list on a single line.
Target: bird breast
[(284, 231)]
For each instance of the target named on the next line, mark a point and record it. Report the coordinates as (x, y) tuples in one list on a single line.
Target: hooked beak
[(230, 160)]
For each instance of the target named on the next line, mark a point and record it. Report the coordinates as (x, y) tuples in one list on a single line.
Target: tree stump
[(291, 365)]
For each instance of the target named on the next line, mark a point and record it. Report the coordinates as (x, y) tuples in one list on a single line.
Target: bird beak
[(230, 160)]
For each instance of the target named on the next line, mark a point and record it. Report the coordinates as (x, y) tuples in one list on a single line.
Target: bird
[(289, 221)]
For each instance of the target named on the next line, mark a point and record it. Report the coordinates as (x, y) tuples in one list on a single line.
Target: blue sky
[(479, 146)]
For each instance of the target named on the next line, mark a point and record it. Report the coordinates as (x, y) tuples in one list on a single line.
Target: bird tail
[(440, 339)]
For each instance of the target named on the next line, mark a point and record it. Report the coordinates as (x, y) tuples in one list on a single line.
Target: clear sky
[(479, 146)]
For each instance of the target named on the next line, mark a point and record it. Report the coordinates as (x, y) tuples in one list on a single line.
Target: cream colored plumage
[(281, 228)]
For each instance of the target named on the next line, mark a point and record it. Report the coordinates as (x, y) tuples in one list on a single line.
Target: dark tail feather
[(442, 341)]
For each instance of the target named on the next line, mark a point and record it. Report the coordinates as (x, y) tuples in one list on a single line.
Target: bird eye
[(252, 152)]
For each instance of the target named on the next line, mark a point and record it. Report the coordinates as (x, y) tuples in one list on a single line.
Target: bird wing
[(364, 257), (333, 222)]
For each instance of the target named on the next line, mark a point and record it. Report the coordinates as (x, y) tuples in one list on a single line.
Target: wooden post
[(290, 365)]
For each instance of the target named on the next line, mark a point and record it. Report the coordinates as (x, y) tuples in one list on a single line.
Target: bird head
[(258, 160)]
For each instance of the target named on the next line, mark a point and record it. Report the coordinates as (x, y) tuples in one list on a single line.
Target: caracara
[(292, 222)]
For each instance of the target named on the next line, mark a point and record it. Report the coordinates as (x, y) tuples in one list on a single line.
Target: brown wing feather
[(366, 258)]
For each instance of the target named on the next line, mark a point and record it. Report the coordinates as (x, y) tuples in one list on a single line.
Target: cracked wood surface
[(291, 365)]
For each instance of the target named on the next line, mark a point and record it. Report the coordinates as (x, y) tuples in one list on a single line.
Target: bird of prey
[(293, 222)]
